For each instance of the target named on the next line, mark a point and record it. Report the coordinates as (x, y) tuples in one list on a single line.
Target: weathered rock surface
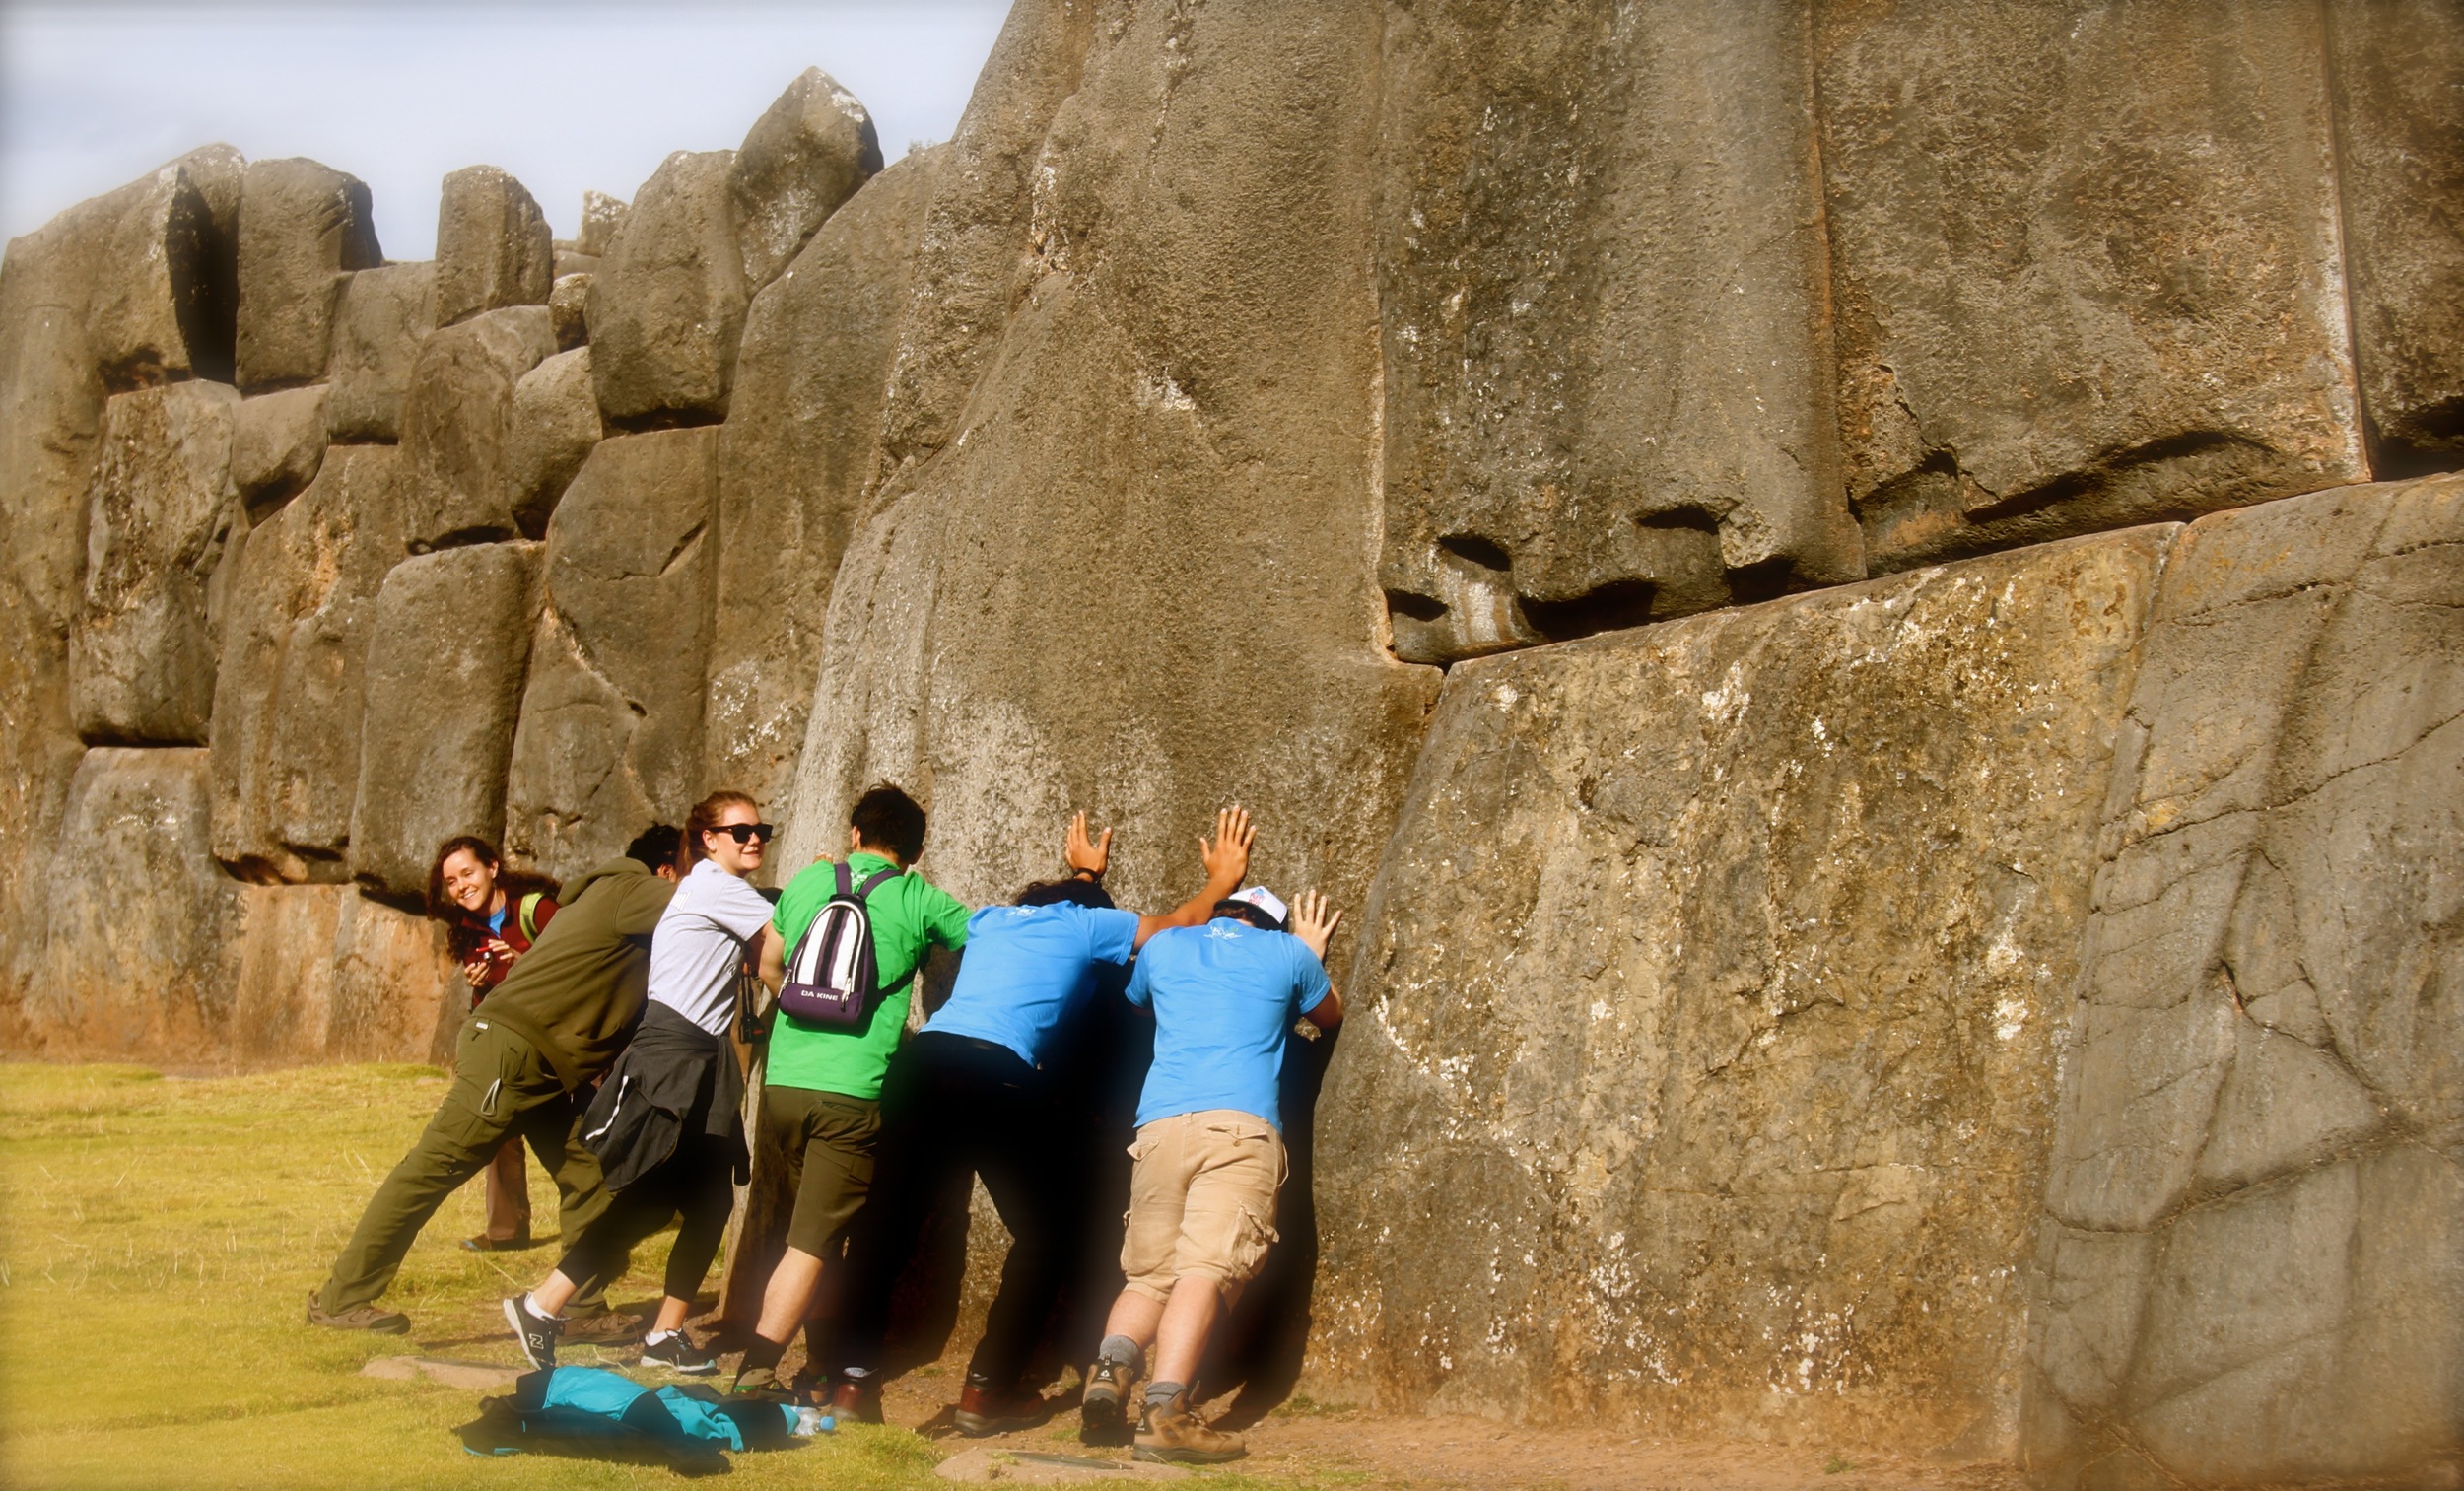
[(288, 699), (2085, 267), (141, 658), (601, 216), (398, 995), (1705, 1011), (796, 457), (447, 654), (494, 248), (803, 157), (2398, 70), (554, 424), (667, 302), (303, 226), (610, 738), (140, 922), (2253, 1253), (1605, 286), (385, 315), (459, 426), (277, 441), (568, 309), (162, 289)]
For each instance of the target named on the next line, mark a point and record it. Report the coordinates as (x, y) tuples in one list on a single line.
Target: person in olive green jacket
[(523, 1065)]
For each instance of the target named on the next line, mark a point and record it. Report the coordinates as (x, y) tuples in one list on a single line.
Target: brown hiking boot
[(988, 1410), (856, 1402), (358, 1318), (1171, 1432), (1103, 1418)]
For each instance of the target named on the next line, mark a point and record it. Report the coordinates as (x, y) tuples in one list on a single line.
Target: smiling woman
[(568, 97)]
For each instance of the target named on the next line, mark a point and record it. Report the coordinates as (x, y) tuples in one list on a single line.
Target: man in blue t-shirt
[(972, 1093), (1209, 1152)]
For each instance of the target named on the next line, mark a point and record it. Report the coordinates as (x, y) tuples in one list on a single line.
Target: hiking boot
[(1101, 1417), (762, 1386), (986, 1410), (677, 1353), (486, 1244), (608, 1327), (856, 1402), (1171, 1432), (536, 1332), (357, 1317)]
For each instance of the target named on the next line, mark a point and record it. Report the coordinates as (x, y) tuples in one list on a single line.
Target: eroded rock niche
[(1858, 598)]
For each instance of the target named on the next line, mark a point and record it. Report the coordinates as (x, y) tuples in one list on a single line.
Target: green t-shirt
[(907, 912)]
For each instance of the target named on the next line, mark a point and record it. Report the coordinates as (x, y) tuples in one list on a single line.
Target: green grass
[(158, 1239)]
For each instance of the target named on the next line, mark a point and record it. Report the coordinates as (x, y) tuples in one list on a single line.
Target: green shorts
[(830, 1140)]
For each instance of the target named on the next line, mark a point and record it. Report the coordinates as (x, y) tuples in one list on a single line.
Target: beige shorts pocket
[(1249, 1244)]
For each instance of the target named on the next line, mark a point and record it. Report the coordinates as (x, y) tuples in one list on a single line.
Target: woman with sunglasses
[(665, 1124)]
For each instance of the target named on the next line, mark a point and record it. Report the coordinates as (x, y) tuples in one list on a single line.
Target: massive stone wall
[(1909, 944)]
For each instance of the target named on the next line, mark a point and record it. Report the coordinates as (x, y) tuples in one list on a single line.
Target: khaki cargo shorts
[(1201, 1201)]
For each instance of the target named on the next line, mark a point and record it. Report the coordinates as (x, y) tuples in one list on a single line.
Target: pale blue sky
[(567, 95)]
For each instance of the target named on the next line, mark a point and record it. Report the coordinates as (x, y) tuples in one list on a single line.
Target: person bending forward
[(1210, 1158)]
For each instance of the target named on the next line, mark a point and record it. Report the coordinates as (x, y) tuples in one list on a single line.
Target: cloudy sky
[(567, 95)]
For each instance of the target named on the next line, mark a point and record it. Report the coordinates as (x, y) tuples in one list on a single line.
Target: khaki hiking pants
[(502, 1087)]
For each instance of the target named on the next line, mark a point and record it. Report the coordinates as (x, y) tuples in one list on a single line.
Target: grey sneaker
[(608, 1327), (357, 1317), (537, 1333), (677, 1353)]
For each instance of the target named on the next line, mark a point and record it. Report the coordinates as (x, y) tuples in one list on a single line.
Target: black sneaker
[(677, 1353), (537, 1333), (1101, 1417)]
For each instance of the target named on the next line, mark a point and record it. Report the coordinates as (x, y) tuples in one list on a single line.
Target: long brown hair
[(516, 884), (705, 817)]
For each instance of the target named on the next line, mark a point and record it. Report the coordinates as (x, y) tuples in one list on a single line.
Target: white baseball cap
[(1266, 901)]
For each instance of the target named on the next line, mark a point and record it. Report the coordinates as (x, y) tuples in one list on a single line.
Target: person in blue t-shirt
[(972, 1093), (1209, 1153)]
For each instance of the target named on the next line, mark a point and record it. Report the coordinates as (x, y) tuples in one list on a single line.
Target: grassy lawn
[(157, 1239)]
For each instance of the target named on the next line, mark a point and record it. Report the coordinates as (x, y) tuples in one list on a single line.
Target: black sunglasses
[(740, 832)]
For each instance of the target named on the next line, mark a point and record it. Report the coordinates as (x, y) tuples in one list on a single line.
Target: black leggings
[(950, 1104), (698, 1182)]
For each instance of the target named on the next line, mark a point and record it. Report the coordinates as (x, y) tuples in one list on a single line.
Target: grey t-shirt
[(698, 943)]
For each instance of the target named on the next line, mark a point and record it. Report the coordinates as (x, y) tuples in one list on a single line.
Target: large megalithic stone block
[(459, 426), (303, 226), (2399, 72), (277, 441), (136, 949), (447, 654), (610, 738), (2086, 269), (667, 301), (324, 974), (494, 248), (386, 313), (1708, 1009), (796, 457), (555, 424), (2252, 1260), (1604, 284), (288, 702), (141, 656), (162, 286), (803, 157)]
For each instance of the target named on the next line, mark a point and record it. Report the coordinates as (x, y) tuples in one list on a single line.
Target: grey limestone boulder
[(1605, 280), (2085, 266), (797, 457), (277, 441), (804, 156), (601, 216), (667, 302), (140, 657), (493, 246), (555, 424), (303, 226), (2398, 71), (447, 652), (2253, 1248), (458, 424), (610, 738), (288, 701), (569, 307), (384, 315), (1715, 977), (142, 920)]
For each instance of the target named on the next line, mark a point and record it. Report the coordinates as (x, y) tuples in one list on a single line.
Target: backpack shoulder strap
[(872, 883), (529, 916), (845, 884)]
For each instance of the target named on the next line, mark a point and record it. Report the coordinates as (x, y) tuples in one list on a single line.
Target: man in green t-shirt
[(822, 1090)]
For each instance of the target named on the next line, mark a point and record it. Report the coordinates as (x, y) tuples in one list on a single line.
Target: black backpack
[(832, 980)]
